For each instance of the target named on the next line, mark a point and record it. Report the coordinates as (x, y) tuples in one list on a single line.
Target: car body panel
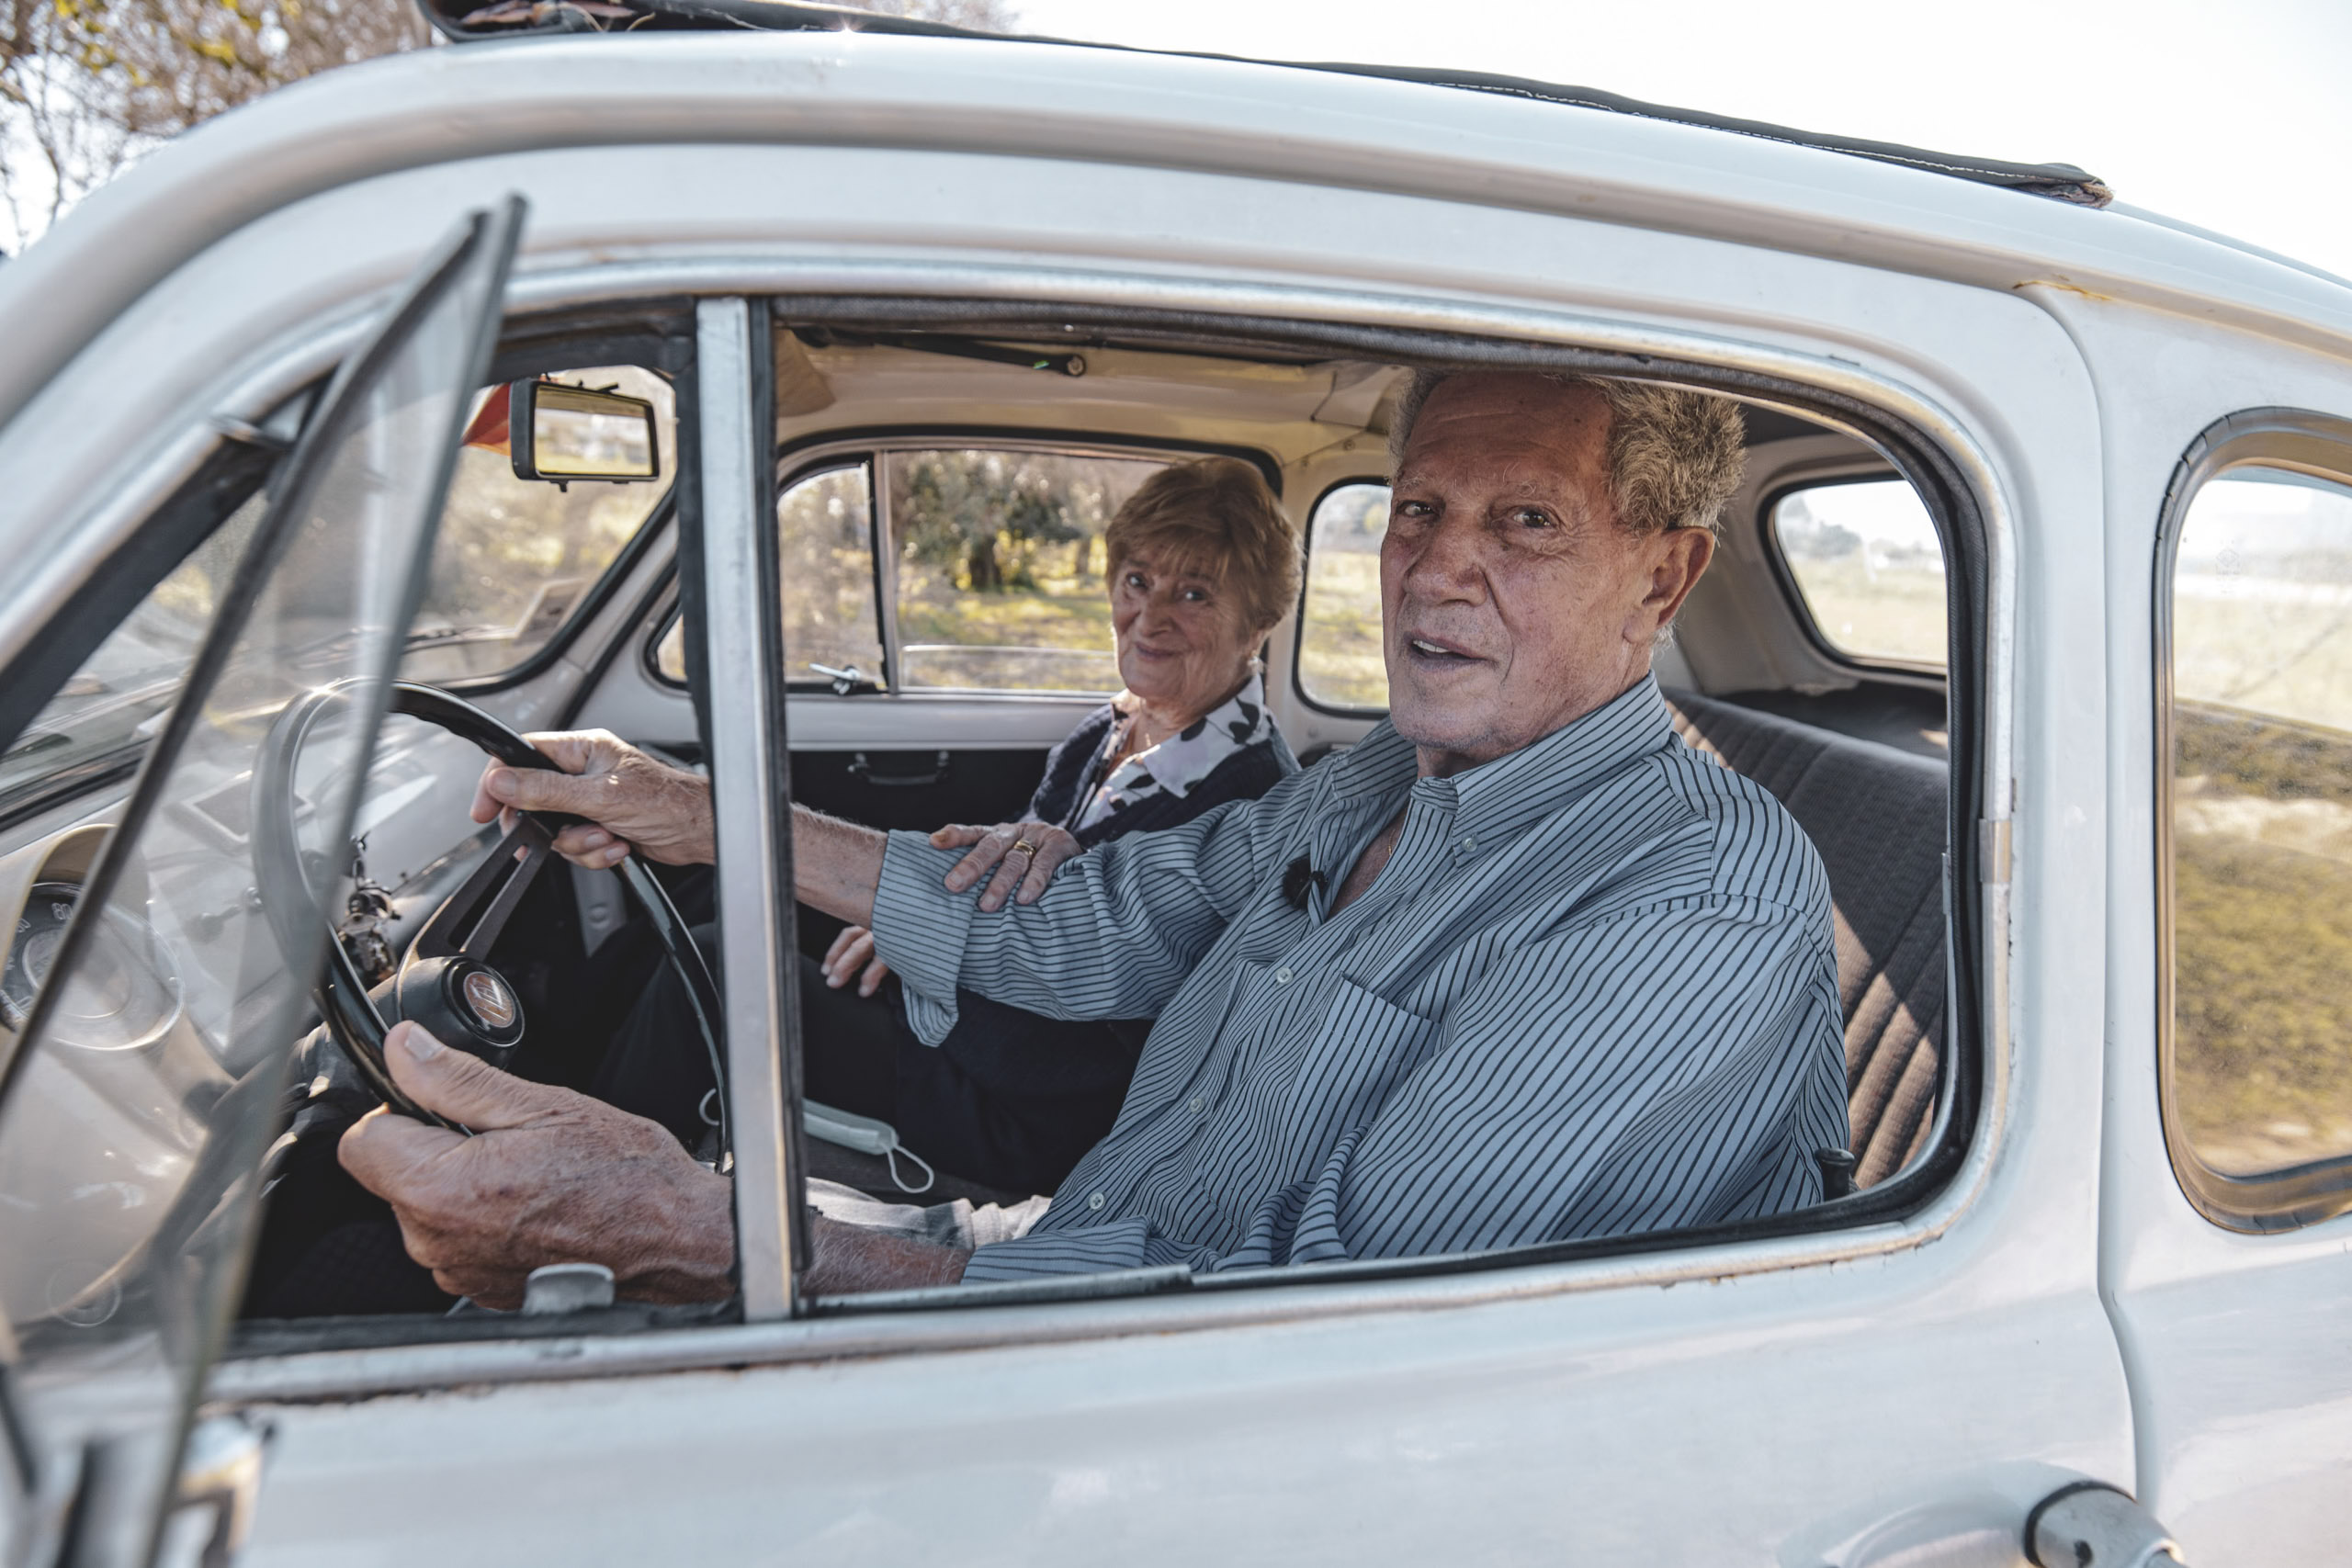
[(2242, 1374)]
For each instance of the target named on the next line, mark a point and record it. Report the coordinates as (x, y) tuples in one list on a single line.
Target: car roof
[(464, 21), (1221, 117)]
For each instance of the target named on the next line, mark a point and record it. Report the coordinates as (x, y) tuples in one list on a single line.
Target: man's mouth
[(1427, 651)]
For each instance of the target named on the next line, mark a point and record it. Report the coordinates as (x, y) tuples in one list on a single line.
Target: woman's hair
[(1213, 516)]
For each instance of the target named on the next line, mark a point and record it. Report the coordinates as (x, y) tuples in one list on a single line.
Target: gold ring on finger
[(1024, 847)]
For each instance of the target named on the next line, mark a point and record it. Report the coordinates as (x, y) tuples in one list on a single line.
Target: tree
[(89, 85)]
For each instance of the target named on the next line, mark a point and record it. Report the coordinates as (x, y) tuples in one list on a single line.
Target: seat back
[(1878, 818)]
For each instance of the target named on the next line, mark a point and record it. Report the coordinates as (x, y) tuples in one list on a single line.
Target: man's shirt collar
[(1502, 797)]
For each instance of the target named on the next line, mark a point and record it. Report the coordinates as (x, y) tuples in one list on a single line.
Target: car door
[(161, 1005), (2229, 1247)]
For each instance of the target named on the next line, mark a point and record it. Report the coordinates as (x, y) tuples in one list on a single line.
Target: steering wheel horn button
[(489, 1000), (484, 1003), (462, 1002)]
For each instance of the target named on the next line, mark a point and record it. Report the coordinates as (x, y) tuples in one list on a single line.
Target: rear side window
[(515, 558), (1868, 569), (998, 560), (1341, 664), (2260, 813)]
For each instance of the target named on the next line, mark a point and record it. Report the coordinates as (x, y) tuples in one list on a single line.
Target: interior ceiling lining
[(1165, 384)]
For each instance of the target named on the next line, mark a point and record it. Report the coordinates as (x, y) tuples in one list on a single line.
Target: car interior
[(941, 488)]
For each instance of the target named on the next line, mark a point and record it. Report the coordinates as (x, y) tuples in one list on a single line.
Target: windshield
[(100, 721)]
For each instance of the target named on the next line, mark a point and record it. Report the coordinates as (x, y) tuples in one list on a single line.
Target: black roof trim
[(464, 20)]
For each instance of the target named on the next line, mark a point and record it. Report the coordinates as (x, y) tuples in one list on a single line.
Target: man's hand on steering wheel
[(1023, 854), (550, 1177), (630, 801)]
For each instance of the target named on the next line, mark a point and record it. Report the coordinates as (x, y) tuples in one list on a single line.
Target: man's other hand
[(852, 955), (550, 1177), (630, 801), (1000, 849)]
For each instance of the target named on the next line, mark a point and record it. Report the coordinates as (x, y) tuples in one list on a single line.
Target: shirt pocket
[(1353, 1056)]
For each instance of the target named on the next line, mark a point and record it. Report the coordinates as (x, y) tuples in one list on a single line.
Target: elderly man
[(1518, 967)]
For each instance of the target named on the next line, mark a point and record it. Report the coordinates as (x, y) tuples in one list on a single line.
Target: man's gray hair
[(1674, 458)]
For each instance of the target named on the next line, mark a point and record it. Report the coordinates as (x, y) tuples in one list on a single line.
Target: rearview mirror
[(562, 433)]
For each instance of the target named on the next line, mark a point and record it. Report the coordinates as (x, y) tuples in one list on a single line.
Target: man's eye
[(1414, 509)]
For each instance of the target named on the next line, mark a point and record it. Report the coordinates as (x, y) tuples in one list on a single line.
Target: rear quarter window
[(1866, 569)]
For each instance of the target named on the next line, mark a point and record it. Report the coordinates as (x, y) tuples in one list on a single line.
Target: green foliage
[(983, 516)]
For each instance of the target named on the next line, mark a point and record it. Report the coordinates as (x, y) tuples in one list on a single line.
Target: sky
[(2232, 115)]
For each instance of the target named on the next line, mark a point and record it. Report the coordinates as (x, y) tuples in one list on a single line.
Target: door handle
[(2091, 1525), (860, 769)]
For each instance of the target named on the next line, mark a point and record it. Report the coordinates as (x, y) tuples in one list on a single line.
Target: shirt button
[(1281, 975), (1095, 1200), (1467, 844), (1194, 1105)]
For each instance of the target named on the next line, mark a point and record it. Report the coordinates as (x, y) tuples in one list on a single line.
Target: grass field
[(2262, 869), (1895, 612)]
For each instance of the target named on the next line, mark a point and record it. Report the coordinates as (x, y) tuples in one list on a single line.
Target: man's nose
[(1448, 561)]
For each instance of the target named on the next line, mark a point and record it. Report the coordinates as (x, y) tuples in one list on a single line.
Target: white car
[(2036, 610)]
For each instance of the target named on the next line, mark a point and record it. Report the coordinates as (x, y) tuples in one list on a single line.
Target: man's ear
[(1680, 560)]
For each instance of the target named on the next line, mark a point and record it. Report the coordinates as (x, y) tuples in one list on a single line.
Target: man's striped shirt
[(1592, 992)]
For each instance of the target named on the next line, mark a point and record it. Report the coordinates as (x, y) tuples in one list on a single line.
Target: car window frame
[(1306, 576), (1838, 471), (2320, 446), (1947, 460)]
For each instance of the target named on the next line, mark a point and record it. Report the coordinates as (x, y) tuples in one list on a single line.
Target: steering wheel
[(445, 981)]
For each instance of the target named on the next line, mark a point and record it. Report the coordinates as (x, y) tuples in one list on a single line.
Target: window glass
[(825, 524), (515, 558), (1339, 659), (1000, 564), (2262, 821), (1866, 561), (825, 545), (104, 715)]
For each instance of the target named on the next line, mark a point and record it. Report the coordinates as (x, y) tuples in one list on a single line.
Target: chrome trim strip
[(754, 887), (328, 1374), (331, 1375)]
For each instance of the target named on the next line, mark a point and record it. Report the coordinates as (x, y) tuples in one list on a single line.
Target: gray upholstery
[(1878, 818)]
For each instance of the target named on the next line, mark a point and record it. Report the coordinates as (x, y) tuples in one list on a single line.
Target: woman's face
[(1182, 642)]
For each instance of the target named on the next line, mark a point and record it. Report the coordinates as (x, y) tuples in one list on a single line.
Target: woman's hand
[(630, 801), (852, 948), (1024, 855)]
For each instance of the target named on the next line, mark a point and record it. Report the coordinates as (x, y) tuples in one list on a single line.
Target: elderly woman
[(1203, 564)]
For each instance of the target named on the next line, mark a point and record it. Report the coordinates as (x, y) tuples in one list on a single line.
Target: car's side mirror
[(562, 434)]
